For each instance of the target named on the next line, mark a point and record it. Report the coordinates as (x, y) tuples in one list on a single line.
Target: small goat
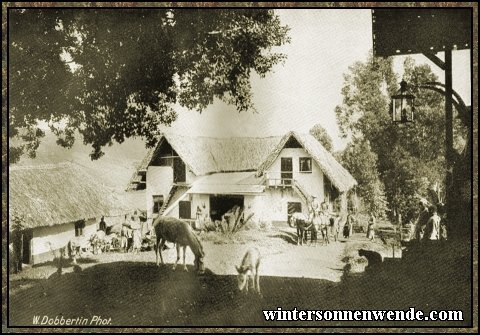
[(248, 270)]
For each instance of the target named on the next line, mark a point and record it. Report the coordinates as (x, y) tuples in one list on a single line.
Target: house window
[(305, 164), (157, 203), (286, 168), (79, 226)]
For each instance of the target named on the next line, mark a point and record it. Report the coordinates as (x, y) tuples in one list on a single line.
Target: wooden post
[(449, 141), (400, 226)]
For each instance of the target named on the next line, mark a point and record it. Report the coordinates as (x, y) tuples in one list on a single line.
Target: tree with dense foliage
[(114, 74), (322, 136), (359, 159), (410, 156)]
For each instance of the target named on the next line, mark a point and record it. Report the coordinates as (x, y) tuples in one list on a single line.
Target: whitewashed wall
[(272, 205), (159, 182), (312, 182), (47, 240)]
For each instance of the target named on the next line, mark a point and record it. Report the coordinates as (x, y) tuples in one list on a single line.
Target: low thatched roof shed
[(48, 195)]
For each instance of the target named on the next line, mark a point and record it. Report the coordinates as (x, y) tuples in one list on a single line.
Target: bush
[(355, 264), (232, 221)]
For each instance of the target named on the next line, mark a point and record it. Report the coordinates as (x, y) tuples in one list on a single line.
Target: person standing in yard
[(124, 237), (324, 208), (135, 236), (443, 221), (371, 228), (432, 231), (348, 227), (102, 225), (422, 220), (137, 240), (314, 209)]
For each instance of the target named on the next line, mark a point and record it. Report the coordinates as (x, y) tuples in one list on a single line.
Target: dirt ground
[(131, 290)]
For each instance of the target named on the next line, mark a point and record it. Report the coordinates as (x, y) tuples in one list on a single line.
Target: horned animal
[(248, 270), (178, 232)]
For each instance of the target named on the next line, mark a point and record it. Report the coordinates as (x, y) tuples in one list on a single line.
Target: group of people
[(349, 222), (130, 233), (431, 223), (323, 210), (316, 209)]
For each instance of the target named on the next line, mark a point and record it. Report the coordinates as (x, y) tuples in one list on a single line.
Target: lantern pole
[(452, 99), (446, 66)]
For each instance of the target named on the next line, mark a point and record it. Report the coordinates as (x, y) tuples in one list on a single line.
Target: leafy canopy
[(114, 74), (322, 136), (410, 158), (359, 159)]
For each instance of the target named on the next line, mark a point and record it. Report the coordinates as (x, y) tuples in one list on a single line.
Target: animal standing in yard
[(98, 241), (178, 232), (321, 223), (303, 225), (248, 271), (78, 245), (110, 242)]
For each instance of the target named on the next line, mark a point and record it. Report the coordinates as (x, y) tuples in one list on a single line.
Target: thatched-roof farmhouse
[(269, 177), (54, 203)]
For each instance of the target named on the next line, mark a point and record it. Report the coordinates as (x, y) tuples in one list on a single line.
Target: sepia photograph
[(239, 167)]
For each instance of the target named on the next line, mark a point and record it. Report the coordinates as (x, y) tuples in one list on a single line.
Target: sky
[(306, 88)]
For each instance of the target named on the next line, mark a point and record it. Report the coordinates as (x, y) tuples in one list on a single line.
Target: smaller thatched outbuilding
[(52, 204)]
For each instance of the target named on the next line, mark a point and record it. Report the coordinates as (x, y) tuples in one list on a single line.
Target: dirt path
[(131, 290), (281, 256)]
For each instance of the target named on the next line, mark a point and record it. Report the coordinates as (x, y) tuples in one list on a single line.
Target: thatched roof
[(334, 171), (228, 183), (206, 155), (48, 195)]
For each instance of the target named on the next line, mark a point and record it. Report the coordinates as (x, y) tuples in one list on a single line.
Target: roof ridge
[(223, 138)]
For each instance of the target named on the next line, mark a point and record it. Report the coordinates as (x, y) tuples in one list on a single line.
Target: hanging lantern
[(403, 105)]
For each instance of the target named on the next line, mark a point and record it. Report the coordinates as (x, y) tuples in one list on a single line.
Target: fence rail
[(279, 182)]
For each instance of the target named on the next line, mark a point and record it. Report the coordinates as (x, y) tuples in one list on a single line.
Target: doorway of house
[(220, 204), (185, 210)]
